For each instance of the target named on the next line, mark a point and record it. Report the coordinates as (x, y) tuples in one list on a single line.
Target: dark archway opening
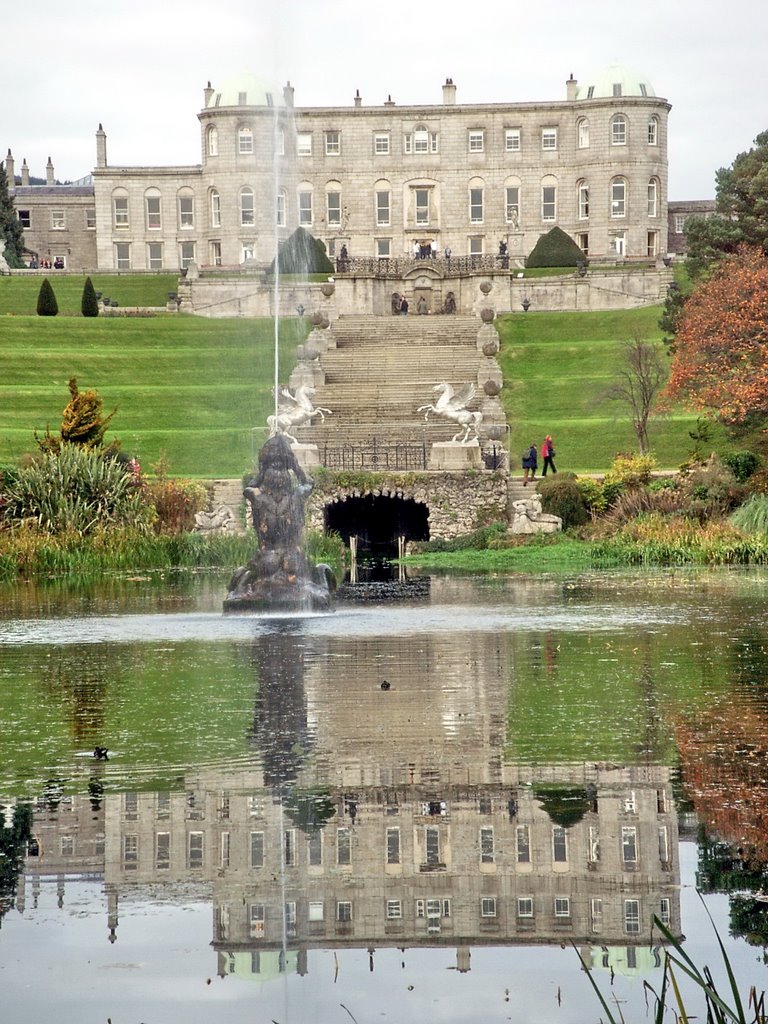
[(377, 522)]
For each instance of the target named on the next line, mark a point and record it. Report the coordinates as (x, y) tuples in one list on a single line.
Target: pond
[(441, 807)]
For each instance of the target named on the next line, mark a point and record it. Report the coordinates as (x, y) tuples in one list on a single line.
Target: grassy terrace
[(195, 388)]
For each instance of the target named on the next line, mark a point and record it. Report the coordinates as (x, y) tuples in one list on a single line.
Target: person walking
[(548, 455), (404, 306), (530, 464)]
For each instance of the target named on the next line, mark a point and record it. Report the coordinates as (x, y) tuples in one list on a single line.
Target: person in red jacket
[(548, 455)]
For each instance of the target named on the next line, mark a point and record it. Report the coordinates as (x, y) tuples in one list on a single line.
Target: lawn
[(194, 389), (199, 390), (557, 368)]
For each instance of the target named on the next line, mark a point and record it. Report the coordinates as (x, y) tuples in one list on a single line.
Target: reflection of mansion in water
[(397, 866)]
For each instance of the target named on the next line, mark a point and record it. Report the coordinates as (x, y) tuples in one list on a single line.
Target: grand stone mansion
[(383, 180)]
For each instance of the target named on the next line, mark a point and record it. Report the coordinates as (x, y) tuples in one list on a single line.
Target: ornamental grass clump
[(752, 516), (74, 492)]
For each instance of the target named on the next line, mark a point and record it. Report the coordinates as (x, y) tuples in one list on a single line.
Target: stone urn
[(487, 316), (328, 288), (491, 388), (485, 287), (490, 347)]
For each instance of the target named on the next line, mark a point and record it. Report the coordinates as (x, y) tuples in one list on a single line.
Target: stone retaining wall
[(457, 502)]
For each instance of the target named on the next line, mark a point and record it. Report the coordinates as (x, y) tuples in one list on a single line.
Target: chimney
[(24, 172), (570, 88), (389, 102), (358, 98), (207, 93), (288, 91), (50, 178), (9, 169), (101, 147), (449, 93)]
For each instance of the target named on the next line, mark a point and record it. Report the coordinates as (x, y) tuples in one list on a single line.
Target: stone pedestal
[(455, 457), (307, 456)]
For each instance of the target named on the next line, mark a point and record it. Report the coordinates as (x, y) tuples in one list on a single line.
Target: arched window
[(653, 131), (152, 211), (247, 210), (618, 130), (653, 197), (512, 202), (582, 131), (282, 202), (244, 140), (583, 199), (549, 198), (618, 197), (215, 209), (212, 136)]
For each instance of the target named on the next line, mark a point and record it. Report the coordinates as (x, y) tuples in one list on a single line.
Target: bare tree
[(638, 382)]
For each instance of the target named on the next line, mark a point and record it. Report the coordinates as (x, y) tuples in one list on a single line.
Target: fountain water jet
[(278, 577)]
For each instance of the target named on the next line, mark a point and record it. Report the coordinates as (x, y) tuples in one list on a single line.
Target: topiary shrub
[(630, 470), (561, 496), (46, 300), (301, 253), (555, 249), (89, 304)]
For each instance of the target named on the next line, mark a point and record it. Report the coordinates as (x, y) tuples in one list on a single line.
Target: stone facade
[(677, 214), (382, 179)]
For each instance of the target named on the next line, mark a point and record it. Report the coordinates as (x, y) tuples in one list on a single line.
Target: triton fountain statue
[(278, 576)]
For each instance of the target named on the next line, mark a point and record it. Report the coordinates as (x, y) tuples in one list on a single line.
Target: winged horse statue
[(293, 410), (453, 405)]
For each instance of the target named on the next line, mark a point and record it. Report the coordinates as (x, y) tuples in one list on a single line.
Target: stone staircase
[(382, 369)]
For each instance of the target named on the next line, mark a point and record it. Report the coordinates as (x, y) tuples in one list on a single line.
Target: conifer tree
[(89, 304), (10, 226), (46, 300)]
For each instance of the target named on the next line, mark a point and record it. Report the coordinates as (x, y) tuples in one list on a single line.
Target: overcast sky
[(140, 67)]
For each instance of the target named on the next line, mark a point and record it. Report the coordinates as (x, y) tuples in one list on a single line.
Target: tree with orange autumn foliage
[(721, 349)]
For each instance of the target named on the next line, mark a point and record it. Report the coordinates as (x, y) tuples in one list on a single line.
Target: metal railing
[(397, 266)]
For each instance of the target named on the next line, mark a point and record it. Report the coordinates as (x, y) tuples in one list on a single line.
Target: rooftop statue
[(278, 576), (453, 404)]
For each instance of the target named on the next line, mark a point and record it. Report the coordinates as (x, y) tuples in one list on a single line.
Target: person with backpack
[(530, 464)]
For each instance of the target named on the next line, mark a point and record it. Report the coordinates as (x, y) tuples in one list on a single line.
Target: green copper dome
[(614, 81), (245, 91)]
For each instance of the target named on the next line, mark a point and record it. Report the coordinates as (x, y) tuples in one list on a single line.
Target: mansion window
[(549, 202), (476, 140), (58, 220), (476, 206), (120, 211), (122, 255), (315, 849), (512, 140), (130, 857), (617, 88), (383, 248), (305, 207), (333, 207), (212, 136), (343, 846), (215, 209), (289, 847), (153, 212), (25, 218), (523, 844), (394, 909), (332, 143), (512, 205), (315, 910), (629, 844), (653, 131), (162, 839), (393, 846), (245, 140), (549, 138), (679, 223), (186, 254), (582, 240), (618, 198), (476, 246), (488, 906), (90, 218), (583, 201), (559, 845), (653, 193), (562, 906), (383, 208), (381, 143), (631, 916), (525, 906), (257, 849), (155, 255), (422, 205), (619, 130), (195, 846), (186, 212), (281, 201), (247, 209), (304, 144), (583, 133), (344, 910), (216, 254), (486, 846)]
